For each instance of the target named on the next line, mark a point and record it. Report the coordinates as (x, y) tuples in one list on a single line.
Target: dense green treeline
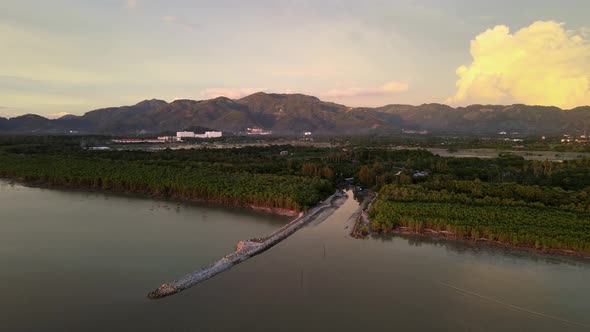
[(172, 179), (384, 166), (482, 193), (380, 165), (508, 199), (508, 213), (261, 176)]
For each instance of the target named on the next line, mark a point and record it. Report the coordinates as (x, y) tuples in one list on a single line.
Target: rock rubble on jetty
[(247, 249)]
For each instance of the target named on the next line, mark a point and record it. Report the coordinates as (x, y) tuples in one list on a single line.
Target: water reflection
[(80, 261), (481, 248)]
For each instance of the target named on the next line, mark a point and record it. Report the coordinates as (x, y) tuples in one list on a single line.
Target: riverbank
[(362, 229), (246, 249), (149, 194), (218, 177), (445, 235), (448, 236)]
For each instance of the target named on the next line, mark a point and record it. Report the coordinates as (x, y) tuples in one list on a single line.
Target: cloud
[(386, 89), (237, 93), (7, 112), (131, 4), (180, 22), (58, 115), (232, 93), (541, 64)]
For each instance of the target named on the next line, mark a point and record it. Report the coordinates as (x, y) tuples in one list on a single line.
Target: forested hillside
[(297, 113)]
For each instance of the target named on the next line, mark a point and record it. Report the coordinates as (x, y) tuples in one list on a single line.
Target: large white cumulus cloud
[(542, 64)]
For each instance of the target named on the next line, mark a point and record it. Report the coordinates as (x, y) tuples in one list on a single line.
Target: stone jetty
[(247, 249)]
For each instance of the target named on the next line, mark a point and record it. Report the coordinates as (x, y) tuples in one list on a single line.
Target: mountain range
[(296, 113)]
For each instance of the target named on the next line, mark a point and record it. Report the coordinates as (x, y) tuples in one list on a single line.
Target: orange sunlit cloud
[(541, 64)]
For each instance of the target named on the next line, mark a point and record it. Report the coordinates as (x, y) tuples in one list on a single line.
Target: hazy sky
[(61, 56)]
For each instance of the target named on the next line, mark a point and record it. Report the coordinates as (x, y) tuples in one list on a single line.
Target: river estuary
[(73, 260)]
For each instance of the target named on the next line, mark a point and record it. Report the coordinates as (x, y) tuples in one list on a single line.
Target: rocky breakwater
[(247, 249)]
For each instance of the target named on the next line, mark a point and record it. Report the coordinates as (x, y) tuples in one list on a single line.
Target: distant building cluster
[(307, 136), (583, 139), (258, 131), (169, 139), (507, 139), (138, 140)]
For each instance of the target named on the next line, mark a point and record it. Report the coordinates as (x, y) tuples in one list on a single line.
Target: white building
[(190, 134), (213, 134), (185, 134)]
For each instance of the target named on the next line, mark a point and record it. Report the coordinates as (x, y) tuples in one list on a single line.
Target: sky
[(72, 56)]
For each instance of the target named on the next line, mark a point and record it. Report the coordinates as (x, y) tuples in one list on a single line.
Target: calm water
[(85, 261)]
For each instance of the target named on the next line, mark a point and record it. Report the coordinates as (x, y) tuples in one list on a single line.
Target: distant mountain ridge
[(296, 113)]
